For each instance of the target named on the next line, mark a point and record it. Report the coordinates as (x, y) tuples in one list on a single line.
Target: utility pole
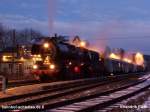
[(13, 50)]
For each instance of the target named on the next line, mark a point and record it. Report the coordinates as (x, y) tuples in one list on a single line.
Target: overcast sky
[(117, 23)]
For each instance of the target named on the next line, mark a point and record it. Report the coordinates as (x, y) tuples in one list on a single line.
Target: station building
[(15, 62)]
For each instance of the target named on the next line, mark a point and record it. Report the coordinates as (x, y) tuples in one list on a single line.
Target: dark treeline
[(11, 37)]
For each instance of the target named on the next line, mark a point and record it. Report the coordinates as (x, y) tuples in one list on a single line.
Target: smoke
[(52, 10), (104, 32), (96, 33)]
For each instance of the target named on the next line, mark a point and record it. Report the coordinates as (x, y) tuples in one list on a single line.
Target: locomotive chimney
[(55, 35)]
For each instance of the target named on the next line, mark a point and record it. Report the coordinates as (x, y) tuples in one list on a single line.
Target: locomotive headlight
[(70, 63), (35, 66), (46, 45), (82, 44), (52, 66)]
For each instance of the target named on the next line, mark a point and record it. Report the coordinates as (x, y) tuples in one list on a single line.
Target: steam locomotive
[(60, 60)]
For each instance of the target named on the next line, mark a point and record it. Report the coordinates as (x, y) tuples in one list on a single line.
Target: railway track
[(64, 84), (19, 83), (137, 103), (65, 95), (54, 92), (102, 100)]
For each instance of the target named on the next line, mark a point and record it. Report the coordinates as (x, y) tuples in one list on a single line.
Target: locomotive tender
[(59, 60)]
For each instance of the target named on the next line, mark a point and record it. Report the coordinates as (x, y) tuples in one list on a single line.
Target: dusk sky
[(116, 23)]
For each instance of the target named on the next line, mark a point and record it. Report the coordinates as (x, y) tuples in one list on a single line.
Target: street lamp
[(46, 45), (83, 44), (35, 67), (52, 66)]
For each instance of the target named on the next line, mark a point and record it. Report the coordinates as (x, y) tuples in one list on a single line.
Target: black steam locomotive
[(59, 60)]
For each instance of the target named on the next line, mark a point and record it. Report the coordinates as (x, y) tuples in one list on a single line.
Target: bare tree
[(21, 36), (2, 33), (26, 35)]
